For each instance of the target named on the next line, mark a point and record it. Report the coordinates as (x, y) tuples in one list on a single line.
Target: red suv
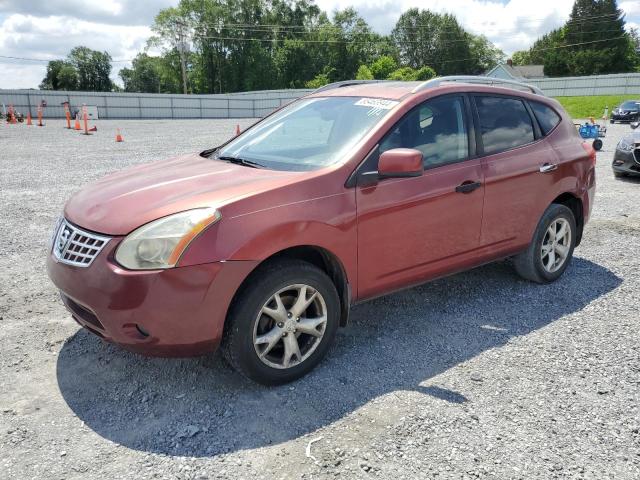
[(354, 191)]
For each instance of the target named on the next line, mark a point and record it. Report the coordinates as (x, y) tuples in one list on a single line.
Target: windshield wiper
[(241, 161)]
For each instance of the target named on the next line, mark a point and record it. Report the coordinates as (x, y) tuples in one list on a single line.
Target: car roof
[(399, 90), (389, 90)]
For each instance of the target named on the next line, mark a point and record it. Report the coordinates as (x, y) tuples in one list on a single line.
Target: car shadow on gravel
[(200, 407)]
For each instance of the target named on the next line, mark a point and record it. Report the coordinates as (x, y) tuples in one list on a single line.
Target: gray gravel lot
[(479, 375)]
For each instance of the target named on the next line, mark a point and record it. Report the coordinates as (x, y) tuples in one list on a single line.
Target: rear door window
[(546, 116), (504, 123)]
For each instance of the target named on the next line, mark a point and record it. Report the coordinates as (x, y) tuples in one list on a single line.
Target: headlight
[(160, 244), (625, 146)]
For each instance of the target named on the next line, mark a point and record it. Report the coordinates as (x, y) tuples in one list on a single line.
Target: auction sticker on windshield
[(376, 105)]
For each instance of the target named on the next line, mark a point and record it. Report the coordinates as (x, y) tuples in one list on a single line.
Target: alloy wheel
[(556, 245), (290, 326)]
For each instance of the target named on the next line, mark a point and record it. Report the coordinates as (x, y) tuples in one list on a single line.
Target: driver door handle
[(467, 187), (548, 167)]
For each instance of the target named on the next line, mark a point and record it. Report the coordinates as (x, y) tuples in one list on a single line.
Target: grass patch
[(593, 106)]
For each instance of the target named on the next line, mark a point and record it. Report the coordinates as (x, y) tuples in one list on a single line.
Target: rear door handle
[(548, 167), (467, 187)]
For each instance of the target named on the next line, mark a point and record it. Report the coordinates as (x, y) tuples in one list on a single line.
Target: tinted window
[(632, 105), (547, 117), (504, 123), (436, 128)]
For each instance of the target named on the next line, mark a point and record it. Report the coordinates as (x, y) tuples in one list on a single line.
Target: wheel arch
[(574, 204), (320, 257)]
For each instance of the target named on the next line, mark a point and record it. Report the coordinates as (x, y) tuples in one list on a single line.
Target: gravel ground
[(479, 375)]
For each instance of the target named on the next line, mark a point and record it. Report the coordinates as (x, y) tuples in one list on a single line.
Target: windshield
[(309, 134), (633, 105)]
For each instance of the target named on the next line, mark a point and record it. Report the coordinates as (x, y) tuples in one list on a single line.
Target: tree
[(383, 67), (294, 63), (50, 81), (320, 80), (67, 77), (423, 37), (364, 73), (84, 69), (173, 28), (484, 54), (405, 74), (593, 41), (144, 75), (93, 69), (424, 73), (521, 57)]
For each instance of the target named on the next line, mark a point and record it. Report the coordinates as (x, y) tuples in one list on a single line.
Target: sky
[(48, 29)]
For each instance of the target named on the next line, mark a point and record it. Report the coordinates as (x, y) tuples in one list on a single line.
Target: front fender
[(328, 222)]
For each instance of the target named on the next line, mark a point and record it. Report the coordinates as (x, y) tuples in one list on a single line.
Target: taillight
[(591, 151)]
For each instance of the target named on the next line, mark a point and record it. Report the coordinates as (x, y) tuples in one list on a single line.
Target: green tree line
[(218, 46), (592, 41)]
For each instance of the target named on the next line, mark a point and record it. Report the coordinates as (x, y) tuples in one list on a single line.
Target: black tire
[(528, 264), (237, 344), (597, 144), (612, 121)]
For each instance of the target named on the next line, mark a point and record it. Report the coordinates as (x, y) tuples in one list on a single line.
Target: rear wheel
[(551, 250), (597, 144), (282, 324)]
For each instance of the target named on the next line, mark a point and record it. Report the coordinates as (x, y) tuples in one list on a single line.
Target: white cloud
[(53, 37)]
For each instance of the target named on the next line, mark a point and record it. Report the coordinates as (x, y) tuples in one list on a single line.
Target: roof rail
[(434, 82), (344, 83)]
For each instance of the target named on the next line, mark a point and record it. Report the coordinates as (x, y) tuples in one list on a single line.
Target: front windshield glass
[(309, 134), (630, 105)]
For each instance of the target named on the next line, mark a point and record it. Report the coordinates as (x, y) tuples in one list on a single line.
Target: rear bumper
[(174, 312)]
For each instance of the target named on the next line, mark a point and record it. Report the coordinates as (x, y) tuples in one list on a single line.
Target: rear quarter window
[(546, 116)]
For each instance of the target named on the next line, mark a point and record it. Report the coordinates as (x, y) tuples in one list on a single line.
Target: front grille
[(75, 246)]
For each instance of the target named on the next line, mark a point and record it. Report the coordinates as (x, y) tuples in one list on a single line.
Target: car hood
[(632, 137), (123, 201)]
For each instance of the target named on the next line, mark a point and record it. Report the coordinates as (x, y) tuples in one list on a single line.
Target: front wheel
[(552, 246), (597, 144), (283, 322)]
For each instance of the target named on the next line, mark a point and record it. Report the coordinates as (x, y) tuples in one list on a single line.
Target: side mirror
[(634, 125), (400, 163)]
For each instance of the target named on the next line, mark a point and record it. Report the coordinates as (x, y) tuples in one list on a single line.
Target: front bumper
[(625, 117), (174, 312), (626, 162)]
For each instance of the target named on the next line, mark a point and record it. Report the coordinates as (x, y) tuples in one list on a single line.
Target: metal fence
[(256, 104), (152, 106), (616, 84)]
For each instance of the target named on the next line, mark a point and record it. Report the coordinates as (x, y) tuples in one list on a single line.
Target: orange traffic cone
[(29, 119), (77, 124), (118, 136), (237, 129)]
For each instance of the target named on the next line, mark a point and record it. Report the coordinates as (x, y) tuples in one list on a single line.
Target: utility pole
[(181, 35)]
